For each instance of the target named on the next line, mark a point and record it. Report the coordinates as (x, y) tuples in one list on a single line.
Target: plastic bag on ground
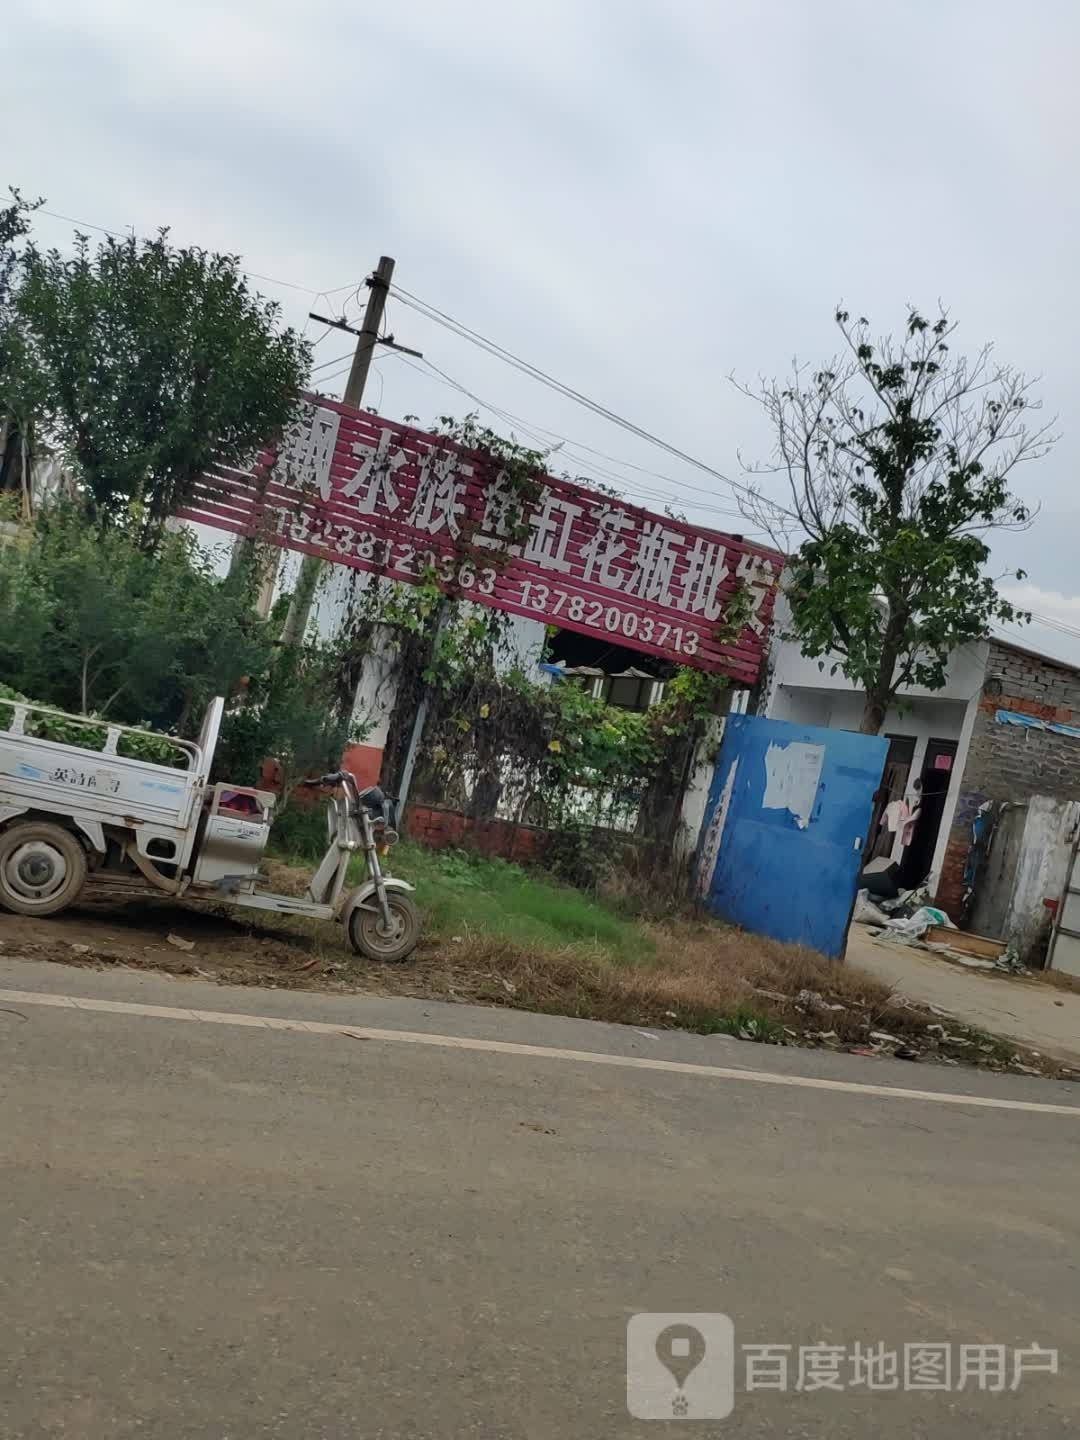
[(866, 912), (914, 927)]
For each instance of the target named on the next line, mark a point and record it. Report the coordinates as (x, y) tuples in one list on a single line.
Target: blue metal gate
[(782, 842)]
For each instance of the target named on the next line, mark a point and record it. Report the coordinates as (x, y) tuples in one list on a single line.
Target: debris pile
[(904, 1029), (907, 919)]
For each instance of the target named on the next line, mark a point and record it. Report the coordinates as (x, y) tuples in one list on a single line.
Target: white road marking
[(535, 1052)]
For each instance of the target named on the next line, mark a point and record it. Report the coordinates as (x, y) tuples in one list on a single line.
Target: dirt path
[(1027, 1010), (217, 943)]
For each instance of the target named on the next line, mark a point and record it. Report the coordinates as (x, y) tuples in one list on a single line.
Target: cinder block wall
[(1009, 762)]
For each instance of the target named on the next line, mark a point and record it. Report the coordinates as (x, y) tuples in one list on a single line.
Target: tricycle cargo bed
[(68, 808), (92, 784)]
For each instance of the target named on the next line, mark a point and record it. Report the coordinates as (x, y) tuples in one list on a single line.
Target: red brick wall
[(950, 890), (442, 828), (364, 763), (1061, 714)]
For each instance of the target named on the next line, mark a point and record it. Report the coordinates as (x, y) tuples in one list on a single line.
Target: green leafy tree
[(897, 454), (96, 624), (292, 715), (93, 623), (144, 363), (14, 226)]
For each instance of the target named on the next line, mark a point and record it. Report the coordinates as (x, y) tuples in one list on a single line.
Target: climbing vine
[(554, 755), (493, 741)]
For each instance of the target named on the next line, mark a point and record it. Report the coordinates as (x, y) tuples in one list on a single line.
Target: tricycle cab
[(235, 829)]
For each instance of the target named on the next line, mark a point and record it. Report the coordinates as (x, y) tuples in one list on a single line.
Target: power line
[(566, 448), (252, 274), (393, 355), (569, 447), (1018, 637), (540, 436), (439, 317), (543, 437), (336, 361), (1050, 623)]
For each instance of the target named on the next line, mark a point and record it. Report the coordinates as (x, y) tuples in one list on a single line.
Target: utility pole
[(367, 338), (379, 285)]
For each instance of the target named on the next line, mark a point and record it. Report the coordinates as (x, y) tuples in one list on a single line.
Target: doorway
[(894, 783), (935, 776)]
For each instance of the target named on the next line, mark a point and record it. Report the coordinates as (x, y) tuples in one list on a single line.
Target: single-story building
[(997, 753)]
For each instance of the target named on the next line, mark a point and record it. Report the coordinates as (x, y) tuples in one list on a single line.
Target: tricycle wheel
[(42, 868), (369, 936)]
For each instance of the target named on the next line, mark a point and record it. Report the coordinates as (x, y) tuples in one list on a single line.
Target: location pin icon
[(680, 1349)]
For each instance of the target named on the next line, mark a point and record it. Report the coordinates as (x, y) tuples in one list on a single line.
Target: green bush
[(159, 751), (93, 623), (299, 833), (97, 625)]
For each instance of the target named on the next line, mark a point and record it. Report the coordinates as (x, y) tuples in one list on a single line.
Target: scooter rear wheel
[(369, 936)]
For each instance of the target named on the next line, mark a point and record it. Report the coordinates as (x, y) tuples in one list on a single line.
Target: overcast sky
[(638, 197)]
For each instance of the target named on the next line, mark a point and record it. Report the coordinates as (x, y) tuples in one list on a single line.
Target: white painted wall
[(340, 589), (791, 668), (338, 593), (524, 647), (696, 795), (797, 691), (1041, 871), (948, 815), (377, 690), (340, 586), (922, 718), (812, 692)]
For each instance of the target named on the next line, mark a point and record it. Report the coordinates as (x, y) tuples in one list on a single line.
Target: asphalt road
[(213, 1228)]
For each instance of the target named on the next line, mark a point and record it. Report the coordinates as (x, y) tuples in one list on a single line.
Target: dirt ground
[(219, 943), (1040, 1010)]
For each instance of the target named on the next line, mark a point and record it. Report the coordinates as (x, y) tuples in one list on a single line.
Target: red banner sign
[(351, 487)]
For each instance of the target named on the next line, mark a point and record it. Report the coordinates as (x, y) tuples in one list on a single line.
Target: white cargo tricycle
[(86, 803)]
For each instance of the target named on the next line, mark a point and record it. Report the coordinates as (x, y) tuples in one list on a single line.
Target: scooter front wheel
[(368, 934)]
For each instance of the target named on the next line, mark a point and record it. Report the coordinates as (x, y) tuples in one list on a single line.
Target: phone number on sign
[(391, 555), (556, 604), (550, 603)]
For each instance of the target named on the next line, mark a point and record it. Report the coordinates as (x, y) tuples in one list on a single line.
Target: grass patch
[(997, 1047), (472, 897), (745, 1024), (299, 834), (496, 933)]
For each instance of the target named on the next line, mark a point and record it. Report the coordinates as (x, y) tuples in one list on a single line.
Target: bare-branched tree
[(897, 455)]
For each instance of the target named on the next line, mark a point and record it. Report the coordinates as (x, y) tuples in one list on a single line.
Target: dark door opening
[(936, 774)]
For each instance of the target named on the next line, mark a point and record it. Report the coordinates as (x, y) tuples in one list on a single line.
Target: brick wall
[(442, 828), (1010, 762)]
